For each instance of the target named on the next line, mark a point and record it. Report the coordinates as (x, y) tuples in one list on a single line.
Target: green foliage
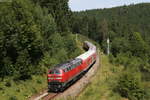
[(39, 81), (129, 86), (102, 83), (33, 37), (59, 10), (8, 84), (62, 48), (22, 42), (29, 38), (124, 31), (13, 98), (128, 29), (72, 49), (23, 66), (22, 90), (103, 30), (141, 49), (119, 45)]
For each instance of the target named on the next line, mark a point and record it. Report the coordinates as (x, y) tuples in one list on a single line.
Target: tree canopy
[(33, 35)]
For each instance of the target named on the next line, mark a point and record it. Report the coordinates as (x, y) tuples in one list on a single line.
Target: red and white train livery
[(62, 74)]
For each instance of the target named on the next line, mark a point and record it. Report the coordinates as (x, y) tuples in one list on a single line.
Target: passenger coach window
[(73, 66), (65, 70), (78, 63)]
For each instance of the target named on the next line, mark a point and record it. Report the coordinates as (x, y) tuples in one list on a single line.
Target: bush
[(123, 59), (111, 59), (13, 98), (39, 81), (34, 90), (1, 89), (147, 97), (8, 84), (129, 86)]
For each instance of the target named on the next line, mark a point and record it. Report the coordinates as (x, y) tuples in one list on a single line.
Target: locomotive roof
[(86, 55), (68, 63)]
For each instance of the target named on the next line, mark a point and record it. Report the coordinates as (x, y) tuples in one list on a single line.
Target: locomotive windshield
[(55, 71)]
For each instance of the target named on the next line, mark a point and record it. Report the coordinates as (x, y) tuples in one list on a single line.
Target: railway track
[(50, 96), (45, 96)]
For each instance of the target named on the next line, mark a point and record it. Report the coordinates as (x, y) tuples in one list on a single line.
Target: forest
[(37, 34), (128, 29), (33, 37)]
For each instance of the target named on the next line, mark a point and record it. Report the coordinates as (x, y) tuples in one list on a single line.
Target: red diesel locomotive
[(62, 74)]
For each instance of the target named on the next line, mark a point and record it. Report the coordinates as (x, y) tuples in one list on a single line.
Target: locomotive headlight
[(58, 77), (50, 78)]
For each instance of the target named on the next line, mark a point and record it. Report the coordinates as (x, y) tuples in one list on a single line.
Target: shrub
[(34, 90), (111, 59), (8, 84), (1, 89), (13, 98), (129, 86), (39, 81)]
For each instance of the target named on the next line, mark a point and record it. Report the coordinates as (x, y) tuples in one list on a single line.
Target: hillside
[(122, 19), (32, 40), (103, 82), (128, 29)]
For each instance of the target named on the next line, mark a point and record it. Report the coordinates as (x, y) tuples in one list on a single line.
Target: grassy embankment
[(102, 84), (10, 90), (101, 87)]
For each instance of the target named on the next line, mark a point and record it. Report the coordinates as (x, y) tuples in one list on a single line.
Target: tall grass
[(22, 90), (101, 87)]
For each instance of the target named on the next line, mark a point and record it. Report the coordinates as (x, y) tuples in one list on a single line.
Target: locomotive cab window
[(55, 71)]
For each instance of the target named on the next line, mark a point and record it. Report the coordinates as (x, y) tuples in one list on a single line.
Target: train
[(61, 75)]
